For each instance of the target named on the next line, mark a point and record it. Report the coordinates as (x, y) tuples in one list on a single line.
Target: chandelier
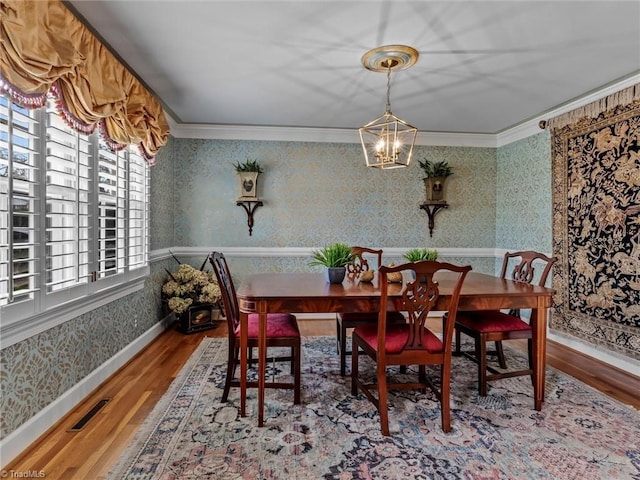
[(388, 141)]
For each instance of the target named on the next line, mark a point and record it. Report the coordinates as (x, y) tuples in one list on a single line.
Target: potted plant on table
[(435, 174), (248, 172), (418, 254), (335, 258)]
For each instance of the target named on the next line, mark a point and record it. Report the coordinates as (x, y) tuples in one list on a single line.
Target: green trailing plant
[(248, 166), (334, 255), (417, 254), (435, 169)]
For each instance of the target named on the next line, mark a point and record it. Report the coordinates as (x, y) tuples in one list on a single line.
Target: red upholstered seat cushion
[(491, 321), (396, 338), (392, 317), (279, 325)]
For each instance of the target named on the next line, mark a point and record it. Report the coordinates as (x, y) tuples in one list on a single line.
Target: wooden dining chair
[(496, 326), (411, 343), (348, 320), (282, 331)]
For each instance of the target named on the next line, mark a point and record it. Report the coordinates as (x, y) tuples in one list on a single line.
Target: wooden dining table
[(264, 293)]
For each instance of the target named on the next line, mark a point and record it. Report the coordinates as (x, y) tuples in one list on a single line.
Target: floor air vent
[(89, 415)]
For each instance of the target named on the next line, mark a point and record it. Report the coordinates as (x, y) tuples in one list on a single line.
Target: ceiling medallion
[(400, 57)]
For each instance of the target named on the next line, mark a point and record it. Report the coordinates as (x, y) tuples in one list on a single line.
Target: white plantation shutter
[(74, 216), (123, 198), (111, 211), (67, 205), (19, 142), (138, 232)]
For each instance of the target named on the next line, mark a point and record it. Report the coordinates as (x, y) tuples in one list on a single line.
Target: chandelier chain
[(388, 108)]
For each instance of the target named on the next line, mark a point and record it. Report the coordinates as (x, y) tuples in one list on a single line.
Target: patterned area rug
[(579, 434)]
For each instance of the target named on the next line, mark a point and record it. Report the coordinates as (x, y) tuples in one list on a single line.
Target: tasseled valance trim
[(34, 100), (68, 117)]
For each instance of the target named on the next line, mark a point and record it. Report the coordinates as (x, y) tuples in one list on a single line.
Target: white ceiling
[(484, 66)]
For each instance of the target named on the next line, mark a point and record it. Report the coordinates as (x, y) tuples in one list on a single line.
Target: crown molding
[(342, 135), (531, 127), (320, 135)]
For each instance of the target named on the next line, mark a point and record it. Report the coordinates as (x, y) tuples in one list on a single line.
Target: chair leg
[(530, 351), (338, 335), (500, 353), (458, 340), (382, 399), (233, 354), (292, 365), (295, 352), (445, 403), (481, 353), (354, 368), (422, 378), (343, 351)]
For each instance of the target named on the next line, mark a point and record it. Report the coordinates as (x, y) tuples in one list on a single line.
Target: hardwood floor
[(135, 388)]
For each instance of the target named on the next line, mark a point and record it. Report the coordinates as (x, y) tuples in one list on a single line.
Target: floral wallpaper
[(163, 198), (523, 191), (316, 193)]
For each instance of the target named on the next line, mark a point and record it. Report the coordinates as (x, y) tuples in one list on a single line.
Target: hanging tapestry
[(596, 227)]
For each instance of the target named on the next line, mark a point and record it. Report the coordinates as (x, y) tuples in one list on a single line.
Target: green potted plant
[(418, 254), (435, 174), (334, 258), (248, 172)]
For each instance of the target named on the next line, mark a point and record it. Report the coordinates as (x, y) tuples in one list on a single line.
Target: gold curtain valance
[(45, 47)]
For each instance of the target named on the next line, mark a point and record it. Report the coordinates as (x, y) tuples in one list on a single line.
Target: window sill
[(19, 329)]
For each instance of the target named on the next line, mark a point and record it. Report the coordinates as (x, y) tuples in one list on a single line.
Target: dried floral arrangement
[(189, 286)]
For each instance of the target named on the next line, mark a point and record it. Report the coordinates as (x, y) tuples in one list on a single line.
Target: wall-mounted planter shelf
[(432, 208), (250, 207)]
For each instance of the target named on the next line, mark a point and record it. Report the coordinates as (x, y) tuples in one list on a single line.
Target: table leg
[(539, 325), (244, 326), (262, 356)]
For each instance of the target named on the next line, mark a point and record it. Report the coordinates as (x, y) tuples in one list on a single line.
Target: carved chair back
[(360, 263), (227, 289)]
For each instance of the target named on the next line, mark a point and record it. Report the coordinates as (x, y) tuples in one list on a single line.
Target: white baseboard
[(20, 439), (621, 362)]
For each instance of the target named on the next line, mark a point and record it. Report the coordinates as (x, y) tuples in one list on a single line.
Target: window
[(74, 216)]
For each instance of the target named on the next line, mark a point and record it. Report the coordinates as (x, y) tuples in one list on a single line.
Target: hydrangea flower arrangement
[(189, 286)]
